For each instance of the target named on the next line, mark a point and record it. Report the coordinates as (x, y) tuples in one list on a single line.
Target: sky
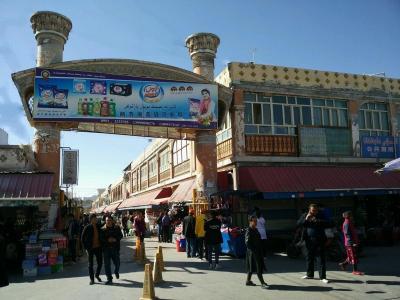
[(358, 36)]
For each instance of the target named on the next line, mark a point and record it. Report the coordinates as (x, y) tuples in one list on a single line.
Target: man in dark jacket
[(112, 236), (254, 253), (189, 224), (313, 226), (166, 223), (91, 241), (140, 226), (73, 235), (213, 239)]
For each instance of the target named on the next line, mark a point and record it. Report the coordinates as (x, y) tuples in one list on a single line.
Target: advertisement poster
[(66, 95), (379, 146)]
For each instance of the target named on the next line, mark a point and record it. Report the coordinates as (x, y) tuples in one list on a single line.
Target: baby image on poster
[(98, 87)]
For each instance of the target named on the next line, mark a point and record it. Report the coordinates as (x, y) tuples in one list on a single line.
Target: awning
[(184, 191), (309, 181), (25, 188), (112, 207), (100, 209), (146, 200)]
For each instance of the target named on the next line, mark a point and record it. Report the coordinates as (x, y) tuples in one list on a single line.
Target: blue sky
[(358, 36)]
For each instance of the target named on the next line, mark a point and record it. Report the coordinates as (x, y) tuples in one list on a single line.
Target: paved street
[(191, 279)]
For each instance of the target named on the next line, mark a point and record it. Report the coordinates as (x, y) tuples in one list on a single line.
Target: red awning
[(112, 207), (144, 200), (26, 186), (307, 179), (184, 191)]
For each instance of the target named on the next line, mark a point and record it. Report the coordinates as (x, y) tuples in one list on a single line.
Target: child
[(351, 242)]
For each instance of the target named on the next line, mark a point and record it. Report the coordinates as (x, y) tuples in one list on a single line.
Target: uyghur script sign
[(70, 167), (65, 95), (379, 146)]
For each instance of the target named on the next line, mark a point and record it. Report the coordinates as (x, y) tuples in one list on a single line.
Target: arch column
[(51, 33), (202, 50)]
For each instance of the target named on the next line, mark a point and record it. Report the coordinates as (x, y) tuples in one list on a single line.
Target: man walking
[(314, 236), (140, 226), (91, 240), (254, 253), (73, 234), (112, 236), (189, 224), (213, 239), (200, 233), (166, 223)]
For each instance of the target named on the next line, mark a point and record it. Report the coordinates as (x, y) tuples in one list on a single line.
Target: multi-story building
[(3, 137), (292, 136)]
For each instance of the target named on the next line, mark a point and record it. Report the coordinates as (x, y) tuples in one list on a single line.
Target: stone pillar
[(206, 163), (354, 107), (51, 32), (237, 111), (46, 145), (202, 50)]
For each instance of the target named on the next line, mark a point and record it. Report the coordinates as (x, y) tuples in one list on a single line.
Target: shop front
[(28, 217)]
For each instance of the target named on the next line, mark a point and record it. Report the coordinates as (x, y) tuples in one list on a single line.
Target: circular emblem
[(45, 74), (151, 93)]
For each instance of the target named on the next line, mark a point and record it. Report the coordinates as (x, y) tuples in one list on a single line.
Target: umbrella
[(391, 166)]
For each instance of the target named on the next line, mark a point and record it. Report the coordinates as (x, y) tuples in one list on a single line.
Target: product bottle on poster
[(85, 107), (80, 106), (104, 107), (112, 108), (90, 107), (96, 108)]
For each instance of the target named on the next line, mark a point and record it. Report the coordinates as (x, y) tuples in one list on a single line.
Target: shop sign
[(70, 167), (65, 95), (379, 146)]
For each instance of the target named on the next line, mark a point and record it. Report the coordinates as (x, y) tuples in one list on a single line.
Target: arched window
[(180, 151), (373, 119)]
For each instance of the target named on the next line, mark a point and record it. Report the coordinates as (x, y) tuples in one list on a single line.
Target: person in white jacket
[(261, 227)]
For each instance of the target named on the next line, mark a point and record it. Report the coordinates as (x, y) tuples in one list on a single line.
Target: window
[(143, 173), (283, 113), (180, 151), (373, 119), (164, 160), (153, 167)]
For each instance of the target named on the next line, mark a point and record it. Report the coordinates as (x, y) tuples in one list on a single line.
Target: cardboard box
[(30, 272)]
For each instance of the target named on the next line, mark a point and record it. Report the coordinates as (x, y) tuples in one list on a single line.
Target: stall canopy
[(146, 200), (25, 189), (112, 207), (100, 209), (184, 191), (304, 181)]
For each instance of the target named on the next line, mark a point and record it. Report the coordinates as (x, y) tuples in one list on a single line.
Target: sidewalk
[(191, 279)]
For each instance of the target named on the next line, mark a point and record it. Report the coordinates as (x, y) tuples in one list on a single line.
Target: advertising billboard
[(65, 95)]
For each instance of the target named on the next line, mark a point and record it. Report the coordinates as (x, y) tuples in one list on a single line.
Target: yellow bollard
[(159, 250), (137, 249), (157, 273), (148, 284), (142, 254)]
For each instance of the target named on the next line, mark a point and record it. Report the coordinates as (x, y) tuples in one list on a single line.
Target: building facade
[(291, 137)]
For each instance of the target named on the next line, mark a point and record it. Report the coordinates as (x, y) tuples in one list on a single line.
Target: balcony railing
[(224, 149), (279, 145)]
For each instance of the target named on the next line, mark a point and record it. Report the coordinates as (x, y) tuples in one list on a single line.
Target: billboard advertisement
[(379, 146), (66, 95), (70, 167)]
